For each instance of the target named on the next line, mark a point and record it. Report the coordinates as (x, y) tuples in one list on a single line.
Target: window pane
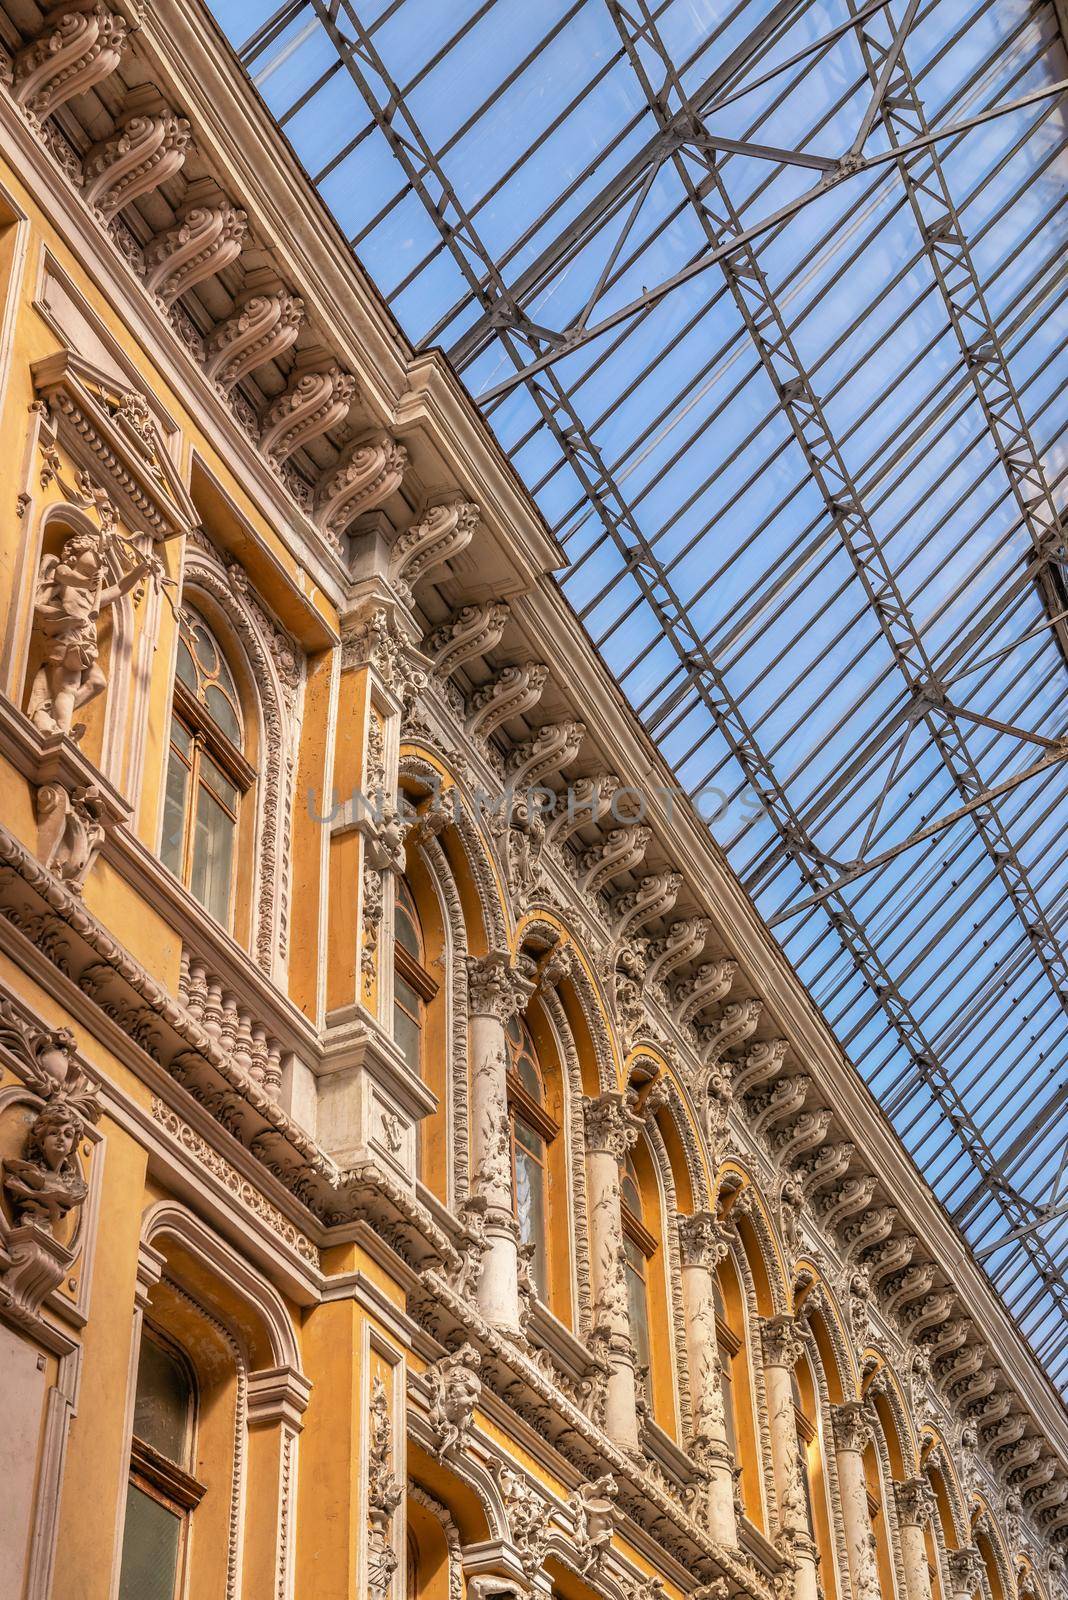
[(631, 1198), (222, 713), (408, 1034), (185, 667), (530, 1203), (213, 855), (637, 1302), (406, 933), (529, 1077), (149, 1549), (728, 1397), (218, 783), (161, 1408), (175, 800)]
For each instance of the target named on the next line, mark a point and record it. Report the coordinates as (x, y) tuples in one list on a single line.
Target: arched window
[(413, 987), (162, 1493), (532, 1130), (207, 773), (639, 1246), (728, 1345)]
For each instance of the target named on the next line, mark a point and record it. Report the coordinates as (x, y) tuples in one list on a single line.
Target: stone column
[(497, 990), (702, 1246), (852, 1430), (965, 1573), (913, 1513), (610, 1132), (782, 1346)]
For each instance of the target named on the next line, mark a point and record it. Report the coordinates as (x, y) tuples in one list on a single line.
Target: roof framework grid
[(761, 300)]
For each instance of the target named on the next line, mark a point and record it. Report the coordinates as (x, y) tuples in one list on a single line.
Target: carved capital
[(498, 986), (782, 1342), (703, 1241), (260, 328), (205, 239), (914, 1502), (610, 1128), (852, 1426), (966, 1570)]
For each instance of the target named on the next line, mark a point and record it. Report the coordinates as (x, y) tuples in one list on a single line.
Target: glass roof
[(763, 301)]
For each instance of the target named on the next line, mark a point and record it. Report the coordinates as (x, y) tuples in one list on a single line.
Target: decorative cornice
[(469, 631), (512, 693), (72, 53), (440, 534)]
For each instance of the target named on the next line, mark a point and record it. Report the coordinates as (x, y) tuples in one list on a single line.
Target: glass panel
[(529, 1077), (513, 1032), (185, 666), (407, 934), (206, 650), (218, 783), (149, 1549), (408, 1034), (728, 1397), (631, 1197), (162, 1406), (222, 713), (637, 1303), (530, 1202), (213, 856), (175, 801)]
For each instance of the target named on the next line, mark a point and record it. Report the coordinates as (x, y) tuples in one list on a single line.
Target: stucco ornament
[(464, 1275), (43, 1185), (383, 1494), (71, 824), (455, 1387), (528, 1517), (593, 1507), (72, 593)]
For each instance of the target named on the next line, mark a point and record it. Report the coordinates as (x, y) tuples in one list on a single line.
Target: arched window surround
[(270, 670)]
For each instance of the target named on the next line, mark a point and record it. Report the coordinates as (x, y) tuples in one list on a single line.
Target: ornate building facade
[(422, 1175)]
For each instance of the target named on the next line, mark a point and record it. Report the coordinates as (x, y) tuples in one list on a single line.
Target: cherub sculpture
[(72, 592)]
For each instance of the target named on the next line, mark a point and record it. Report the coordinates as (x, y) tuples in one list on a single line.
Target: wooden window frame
[(157, 1476)]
